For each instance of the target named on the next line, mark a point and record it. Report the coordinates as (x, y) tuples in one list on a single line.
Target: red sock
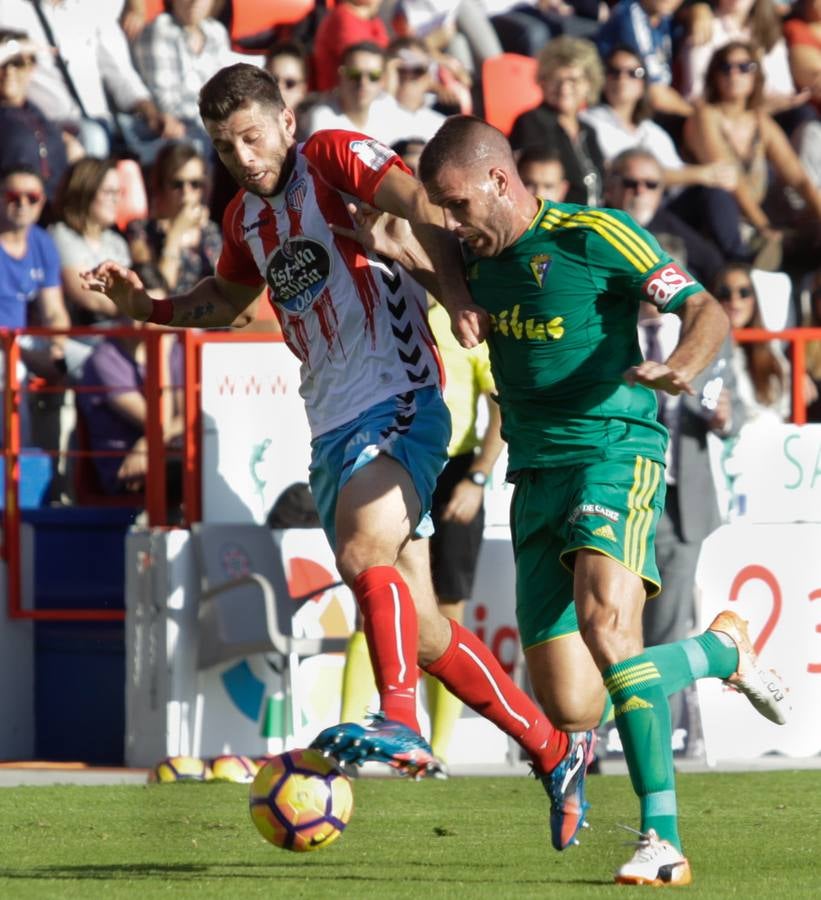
[(389, 621), (470, 671)]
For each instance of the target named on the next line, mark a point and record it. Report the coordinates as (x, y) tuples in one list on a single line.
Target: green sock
[(682, 663), (642, 716)]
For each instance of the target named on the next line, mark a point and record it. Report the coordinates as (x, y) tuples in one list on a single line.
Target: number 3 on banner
[(760, 573)]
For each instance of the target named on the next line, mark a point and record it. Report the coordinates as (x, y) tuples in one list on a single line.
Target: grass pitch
[(755, 835)]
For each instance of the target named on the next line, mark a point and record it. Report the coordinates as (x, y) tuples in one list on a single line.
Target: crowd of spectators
[(701, 119)]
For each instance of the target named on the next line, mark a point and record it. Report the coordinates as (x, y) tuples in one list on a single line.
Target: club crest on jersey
[(540, 265), (295, 195), (373, 154), (297, 273), (663, 285)]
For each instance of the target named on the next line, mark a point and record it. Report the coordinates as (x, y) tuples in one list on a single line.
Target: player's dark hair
[(460, 141), (235, 87)]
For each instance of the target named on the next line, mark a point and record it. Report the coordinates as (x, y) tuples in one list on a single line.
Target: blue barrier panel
[(79, 667)]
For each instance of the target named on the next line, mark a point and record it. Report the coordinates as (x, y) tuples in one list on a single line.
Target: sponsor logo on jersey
[(593, 509), (508, 324), (540, 265), (264, 219), (605, 531), (297, 273), (373, 154), (295, 195), (662, 286)]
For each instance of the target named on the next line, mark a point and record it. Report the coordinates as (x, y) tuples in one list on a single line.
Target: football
[(239, 769), (301, 800), (181, 768)]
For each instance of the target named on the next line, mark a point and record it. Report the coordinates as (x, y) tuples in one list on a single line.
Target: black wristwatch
[(478, 478)]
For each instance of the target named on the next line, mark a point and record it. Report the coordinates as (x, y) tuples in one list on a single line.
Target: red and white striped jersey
[(357, 324)]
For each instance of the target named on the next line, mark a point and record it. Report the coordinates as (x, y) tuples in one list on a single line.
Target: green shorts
[(611, 506)]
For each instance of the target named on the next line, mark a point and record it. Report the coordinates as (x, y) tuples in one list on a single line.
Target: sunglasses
[(637, 72), (633, 184), (413, 72), (17, 197), (178, 184), (358, 74), (726, 292), (18, 62), (290, 83), (744, 67)]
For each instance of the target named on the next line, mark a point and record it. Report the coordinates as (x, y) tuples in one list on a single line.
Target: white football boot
[(762, 687), (655, 863)]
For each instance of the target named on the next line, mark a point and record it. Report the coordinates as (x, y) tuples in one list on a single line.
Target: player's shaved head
[(464, 142)]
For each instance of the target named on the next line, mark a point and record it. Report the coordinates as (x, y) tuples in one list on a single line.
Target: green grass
[(747, 835)]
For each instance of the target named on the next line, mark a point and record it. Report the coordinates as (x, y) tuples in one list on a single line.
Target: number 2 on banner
[(760, 573)]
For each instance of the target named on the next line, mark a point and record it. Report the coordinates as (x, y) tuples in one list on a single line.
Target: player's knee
[(578, 710)]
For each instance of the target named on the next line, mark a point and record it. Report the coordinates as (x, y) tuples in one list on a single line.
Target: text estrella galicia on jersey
[(297, 273), (663, 285), (540, 265), (373, 154)]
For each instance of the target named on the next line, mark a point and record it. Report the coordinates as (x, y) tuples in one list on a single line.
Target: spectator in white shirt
[(361, 102), (412, 67), (98, 62)]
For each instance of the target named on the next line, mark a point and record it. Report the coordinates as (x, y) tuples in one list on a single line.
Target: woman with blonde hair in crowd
[(86, 206), (570, 75), (761, 369), (179, 239), (733, 126)]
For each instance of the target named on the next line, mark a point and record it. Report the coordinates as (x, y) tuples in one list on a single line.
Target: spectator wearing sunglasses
[(635, 183), (287, 63), (761, 370), (732, 126), (179, 239), (30, 288), (28, 136), (623, 121), (742, 20), (349, 22), (361, 102), (411, 68)]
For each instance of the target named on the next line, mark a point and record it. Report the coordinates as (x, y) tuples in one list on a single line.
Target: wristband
[(162, 312)]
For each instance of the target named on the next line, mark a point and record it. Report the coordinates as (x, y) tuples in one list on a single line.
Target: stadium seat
[(133, 198), (509, 88), (774, 292), (246, 606), (250, 17)]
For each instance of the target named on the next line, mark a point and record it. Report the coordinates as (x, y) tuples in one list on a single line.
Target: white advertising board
[(776, 473), (256, 439), (771, 576)]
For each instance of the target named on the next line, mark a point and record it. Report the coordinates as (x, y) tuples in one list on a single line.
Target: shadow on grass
[(320, 871)]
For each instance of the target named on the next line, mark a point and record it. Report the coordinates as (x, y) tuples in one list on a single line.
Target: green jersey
[(563, 304)]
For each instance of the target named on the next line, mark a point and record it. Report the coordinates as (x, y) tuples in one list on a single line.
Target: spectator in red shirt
[(351, 22)]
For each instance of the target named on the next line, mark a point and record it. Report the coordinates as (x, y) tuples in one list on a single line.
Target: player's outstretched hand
[(658, 376), (122, 286), (377, 231)]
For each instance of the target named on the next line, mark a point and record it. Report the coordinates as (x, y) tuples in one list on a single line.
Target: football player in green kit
[(557, 289)]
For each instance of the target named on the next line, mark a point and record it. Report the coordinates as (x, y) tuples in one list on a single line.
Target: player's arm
[(401, 194), (704, 327), (213, 303)]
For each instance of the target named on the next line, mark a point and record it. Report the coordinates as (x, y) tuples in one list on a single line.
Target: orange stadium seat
[(153, 8), (133, 198), (509, 88), (251, 17)]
